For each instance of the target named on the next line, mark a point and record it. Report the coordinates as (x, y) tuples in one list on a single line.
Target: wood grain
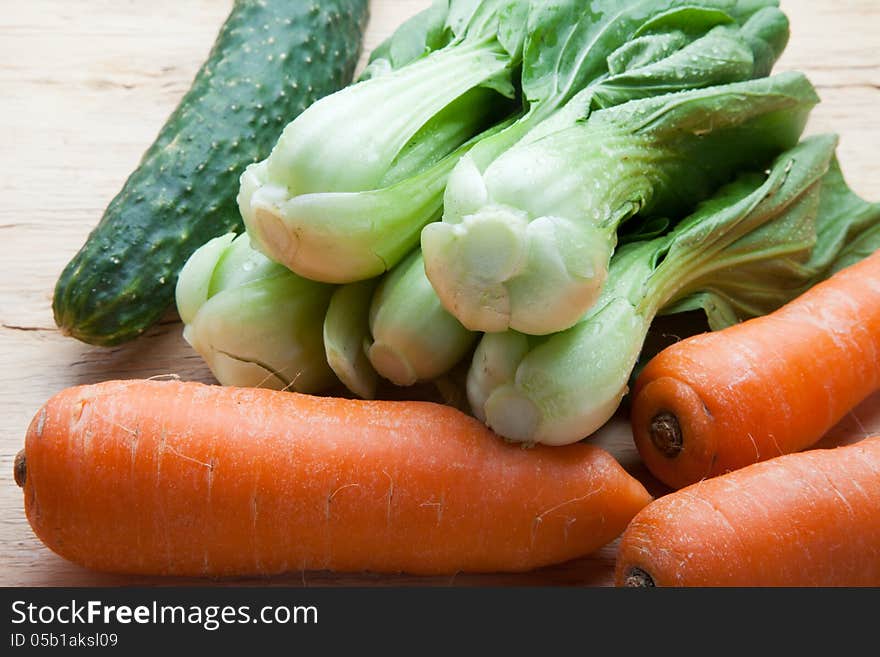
[(85, 87)]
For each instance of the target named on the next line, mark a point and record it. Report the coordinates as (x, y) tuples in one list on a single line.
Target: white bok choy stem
[(413, 338), (255, 323), (347, 337)]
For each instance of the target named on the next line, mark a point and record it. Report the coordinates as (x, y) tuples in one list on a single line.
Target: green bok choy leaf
[(613, 51)]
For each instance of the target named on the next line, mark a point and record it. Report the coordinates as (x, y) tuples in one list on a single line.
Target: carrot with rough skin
[(176, 478), (769, 386), (809, 519)]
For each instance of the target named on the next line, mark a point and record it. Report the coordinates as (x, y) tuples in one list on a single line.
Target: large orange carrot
[(769, 386), (187, 479), (809, 519)]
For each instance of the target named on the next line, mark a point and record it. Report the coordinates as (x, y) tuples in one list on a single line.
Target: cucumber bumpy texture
[(271, 60)]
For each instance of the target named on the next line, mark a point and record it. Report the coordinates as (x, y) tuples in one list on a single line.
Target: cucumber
[(271, 60)]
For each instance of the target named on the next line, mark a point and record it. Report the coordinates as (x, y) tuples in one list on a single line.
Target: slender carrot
[(178, 478), (769, 386), (809, 519)]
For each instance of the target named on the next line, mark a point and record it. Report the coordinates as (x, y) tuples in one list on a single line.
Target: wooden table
[(84, 88)]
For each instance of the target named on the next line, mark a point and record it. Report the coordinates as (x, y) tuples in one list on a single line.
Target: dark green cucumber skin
[(271, 60)]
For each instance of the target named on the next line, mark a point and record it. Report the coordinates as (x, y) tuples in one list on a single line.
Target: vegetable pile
[(514, 189), (648, 123)]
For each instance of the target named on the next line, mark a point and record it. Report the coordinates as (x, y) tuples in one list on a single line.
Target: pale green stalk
[(347, 337), (254, 322), (413, 338)]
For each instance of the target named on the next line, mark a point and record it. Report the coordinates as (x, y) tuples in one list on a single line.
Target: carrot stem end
[(666, 435), (638, 578), (20, 469)]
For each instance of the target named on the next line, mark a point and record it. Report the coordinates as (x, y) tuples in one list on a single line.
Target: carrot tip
[(666, 435), (638, 578), (20, 469)]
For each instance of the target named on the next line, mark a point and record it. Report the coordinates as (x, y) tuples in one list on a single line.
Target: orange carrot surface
[(187, 479), (769, 386), (809, 519)]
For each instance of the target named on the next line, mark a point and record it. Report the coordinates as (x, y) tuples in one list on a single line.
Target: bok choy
[(759, 242), (254, 322), (673, 46), (525, 244)]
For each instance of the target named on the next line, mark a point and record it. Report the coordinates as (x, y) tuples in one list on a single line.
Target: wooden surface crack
[(16, 327)]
